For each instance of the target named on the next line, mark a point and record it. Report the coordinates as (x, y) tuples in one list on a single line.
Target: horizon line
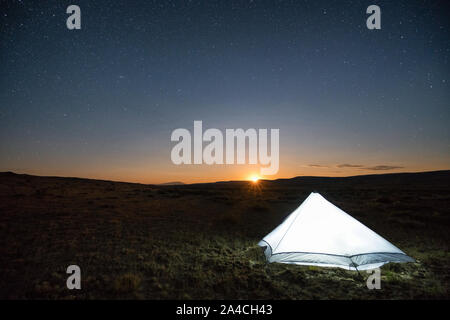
[(174, 183)]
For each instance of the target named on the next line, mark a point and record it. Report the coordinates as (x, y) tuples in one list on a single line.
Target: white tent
[(319, 233)]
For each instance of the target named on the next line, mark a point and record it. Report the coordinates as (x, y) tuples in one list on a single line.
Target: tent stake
[(358, 271), (356, 267)]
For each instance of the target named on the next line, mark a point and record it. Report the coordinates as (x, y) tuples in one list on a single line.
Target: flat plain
[(137, 241)]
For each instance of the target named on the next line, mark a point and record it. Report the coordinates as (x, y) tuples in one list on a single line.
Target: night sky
[(101, 102)]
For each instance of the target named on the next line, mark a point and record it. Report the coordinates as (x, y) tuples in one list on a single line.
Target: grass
[(135, 241)]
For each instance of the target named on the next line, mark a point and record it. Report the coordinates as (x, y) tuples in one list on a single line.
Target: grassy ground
[(199, 241)]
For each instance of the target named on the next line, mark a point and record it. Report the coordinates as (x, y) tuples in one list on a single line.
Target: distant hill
[(442, 176), (402, 176), (174, 183)]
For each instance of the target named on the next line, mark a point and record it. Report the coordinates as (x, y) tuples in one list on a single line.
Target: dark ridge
[(174, 183), (442, 176)]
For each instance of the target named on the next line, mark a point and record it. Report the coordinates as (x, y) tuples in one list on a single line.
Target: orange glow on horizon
[(141, 172)]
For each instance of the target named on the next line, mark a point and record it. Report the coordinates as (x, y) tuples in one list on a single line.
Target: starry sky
[(102, 102)]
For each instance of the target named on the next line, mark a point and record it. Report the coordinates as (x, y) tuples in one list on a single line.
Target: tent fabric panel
[(349, 268), (361, 261), (377, 257)]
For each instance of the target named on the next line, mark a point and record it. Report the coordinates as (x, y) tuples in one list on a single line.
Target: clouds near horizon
[(381, 167)]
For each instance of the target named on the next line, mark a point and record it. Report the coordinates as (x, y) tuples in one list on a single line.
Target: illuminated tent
[(319, 233)]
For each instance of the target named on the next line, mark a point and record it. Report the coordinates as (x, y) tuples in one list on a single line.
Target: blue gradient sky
[(101, 102)]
